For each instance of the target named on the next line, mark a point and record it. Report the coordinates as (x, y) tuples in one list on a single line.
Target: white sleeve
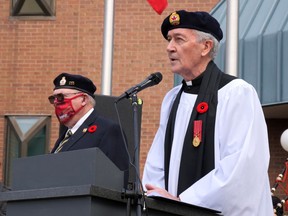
[(154, 167), (239, 184)]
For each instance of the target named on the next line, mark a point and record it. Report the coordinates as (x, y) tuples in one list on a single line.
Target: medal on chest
[(197, 133)]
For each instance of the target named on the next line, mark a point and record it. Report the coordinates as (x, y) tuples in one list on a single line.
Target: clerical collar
[(193, 86)]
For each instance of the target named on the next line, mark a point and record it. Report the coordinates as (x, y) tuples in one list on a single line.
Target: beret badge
[(174, 19), (62, 81), (71, 83)]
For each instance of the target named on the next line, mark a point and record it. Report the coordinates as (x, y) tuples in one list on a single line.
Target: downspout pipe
[(232, 37), (108, 45)]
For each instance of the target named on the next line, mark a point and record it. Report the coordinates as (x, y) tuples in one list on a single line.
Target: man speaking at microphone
[(73, 100), (211, 148)]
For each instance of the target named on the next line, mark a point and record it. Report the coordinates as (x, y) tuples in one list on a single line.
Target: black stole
[(195, 161)]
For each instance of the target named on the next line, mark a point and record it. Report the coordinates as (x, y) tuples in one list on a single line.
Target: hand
[(151, 188)]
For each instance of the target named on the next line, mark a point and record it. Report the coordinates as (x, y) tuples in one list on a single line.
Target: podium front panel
[(71, 168)]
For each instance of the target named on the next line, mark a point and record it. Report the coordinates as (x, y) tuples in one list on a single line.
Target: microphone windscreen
[(157, 78)]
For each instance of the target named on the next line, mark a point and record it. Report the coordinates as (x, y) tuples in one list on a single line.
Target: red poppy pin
[(92, 128), (202, 107)]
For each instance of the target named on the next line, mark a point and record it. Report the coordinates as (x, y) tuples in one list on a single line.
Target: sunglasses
[(60, 97)]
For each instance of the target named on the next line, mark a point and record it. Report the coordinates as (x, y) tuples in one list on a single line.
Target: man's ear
[(84, 101), (208, 45)]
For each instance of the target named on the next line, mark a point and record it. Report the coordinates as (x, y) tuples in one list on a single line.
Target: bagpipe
[(281, 182)]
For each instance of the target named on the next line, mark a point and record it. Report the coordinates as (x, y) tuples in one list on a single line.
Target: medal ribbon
[(197, 134)]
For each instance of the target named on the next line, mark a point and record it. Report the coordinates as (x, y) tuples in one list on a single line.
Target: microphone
[(153, 79)]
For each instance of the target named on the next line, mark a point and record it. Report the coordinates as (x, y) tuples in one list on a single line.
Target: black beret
[(199, 20), (72, 81)]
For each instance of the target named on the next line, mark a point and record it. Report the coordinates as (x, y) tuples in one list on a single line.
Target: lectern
[(82, 182)]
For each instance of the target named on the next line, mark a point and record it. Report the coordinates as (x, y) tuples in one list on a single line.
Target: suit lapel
[(81, 131), (61, 137)]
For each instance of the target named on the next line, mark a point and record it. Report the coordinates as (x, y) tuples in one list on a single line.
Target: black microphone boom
[(153, 79)]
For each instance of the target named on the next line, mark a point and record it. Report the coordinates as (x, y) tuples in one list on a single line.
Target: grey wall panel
[(263, 46)]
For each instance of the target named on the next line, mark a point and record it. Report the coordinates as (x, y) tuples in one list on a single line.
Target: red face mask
[(65, 110)]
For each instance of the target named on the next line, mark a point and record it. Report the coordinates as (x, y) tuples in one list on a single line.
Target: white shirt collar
[(81, 120), (189, 83)]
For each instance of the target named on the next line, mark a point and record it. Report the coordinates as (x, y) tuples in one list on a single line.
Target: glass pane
[(49, 2), (36, 140), (26, 123), (31, 7), (37, 144), (13, 151)]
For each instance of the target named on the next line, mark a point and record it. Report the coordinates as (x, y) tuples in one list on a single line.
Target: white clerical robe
[(239, 183)]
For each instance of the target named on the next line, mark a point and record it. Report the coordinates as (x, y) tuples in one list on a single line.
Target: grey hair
[(202, 36), (92, 100)]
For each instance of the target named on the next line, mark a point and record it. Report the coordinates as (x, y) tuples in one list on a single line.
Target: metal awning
[(263, 50)]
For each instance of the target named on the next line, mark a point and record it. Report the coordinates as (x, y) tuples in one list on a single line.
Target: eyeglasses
[(60, 97)]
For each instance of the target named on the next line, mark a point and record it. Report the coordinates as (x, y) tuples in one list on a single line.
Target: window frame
[(11, 125), (49, 12)]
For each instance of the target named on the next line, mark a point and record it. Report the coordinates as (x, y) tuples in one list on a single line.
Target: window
[(33, 8), (26, 136)]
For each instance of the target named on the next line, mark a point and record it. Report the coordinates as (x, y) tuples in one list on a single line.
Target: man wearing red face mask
[(73, 100)]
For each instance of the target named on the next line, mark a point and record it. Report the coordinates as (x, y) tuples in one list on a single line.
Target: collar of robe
[(193, 86)]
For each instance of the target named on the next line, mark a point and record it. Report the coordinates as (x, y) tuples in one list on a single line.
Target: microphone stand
[(133, 190)]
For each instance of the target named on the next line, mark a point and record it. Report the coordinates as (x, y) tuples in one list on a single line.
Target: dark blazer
[(106, 137)]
